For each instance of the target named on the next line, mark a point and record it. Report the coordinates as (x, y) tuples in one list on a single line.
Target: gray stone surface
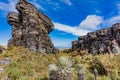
[(1, 69), (30, 28), (5, 61), (2, 49), (100, 42)]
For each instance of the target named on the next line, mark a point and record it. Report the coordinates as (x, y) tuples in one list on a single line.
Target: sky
[(71, 18)]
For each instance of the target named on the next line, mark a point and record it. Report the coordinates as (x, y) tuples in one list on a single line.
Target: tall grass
[(34, 66)]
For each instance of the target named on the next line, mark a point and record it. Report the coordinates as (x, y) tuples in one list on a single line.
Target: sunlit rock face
[(100, 42), (30, 28)]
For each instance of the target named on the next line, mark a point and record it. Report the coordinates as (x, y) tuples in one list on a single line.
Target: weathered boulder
[(30, 28), (1, 69), (2, 49), (101, 41), (5, 61)]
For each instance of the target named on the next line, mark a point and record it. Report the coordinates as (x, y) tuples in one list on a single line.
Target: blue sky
[(72, 18)]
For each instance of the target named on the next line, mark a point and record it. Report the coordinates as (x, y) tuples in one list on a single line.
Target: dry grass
[(35, 65)]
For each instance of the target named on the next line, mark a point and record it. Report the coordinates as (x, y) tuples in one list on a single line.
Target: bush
[(65, 62), (89, 76), (14, 73), (13, 64), (67, 51), (62, 70), (23, 78), (114, 75), (99, 66), (29, 69), (44, 78), (103, 78)]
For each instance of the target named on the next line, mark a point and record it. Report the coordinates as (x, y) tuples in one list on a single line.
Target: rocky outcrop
[(99, 42), (30, 28), (2, 49)]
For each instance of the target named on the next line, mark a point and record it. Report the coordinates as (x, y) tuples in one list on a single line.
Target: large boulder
[(30, 28), (101, 41)]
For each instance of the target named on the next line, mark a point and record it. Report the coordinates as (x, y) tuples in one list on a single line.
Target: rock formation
[(30, 28), (99, 42), (2, 49)]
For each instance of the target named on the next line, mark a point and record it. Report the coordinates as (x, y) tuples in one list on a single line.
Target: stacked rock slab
[(30, 28), (99, 42)]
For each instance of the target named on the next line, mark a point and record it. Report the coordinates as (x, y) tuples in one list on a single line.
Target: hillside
[(27, 65)]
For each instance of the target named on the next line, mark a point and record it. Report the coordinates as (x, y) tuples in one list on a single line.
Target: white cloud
[(109, 22), (10, 6), (62, 43), (69, 29), (7, 7), (68, 2), (91, 22)]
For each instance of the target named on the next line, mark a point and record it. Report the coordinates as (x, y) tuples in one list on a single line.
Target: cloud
[(68, 2), (62, 43), (10, 6), (7, 7), (109, 22), (91, 22), (71, 29)]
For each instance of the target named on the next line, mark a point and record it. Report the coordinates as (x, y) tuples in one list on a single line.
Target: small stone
[(1, 69), (5, 61)]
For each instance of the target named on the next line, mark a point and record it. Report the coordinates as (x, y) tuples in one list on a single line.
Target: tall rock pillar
[(30, 28)]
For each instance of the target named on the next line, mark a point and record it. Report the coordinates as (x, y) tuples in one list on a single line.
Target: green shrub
[(62, 69), (23, 78), (29, 69), (13, 64), (14, 73), (115, 76), (103, 78), (44, 78), (65, 62), (6, 55), (79, 67), (89, 76), (99, 66)]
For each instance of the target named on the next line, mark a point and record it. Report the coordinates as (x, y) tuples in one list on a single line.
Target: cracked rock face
[(30, 28), (100, 42)]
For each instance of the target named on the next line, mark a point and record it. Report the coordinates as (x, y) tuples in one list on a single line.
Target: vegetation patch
[(27, 65)]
